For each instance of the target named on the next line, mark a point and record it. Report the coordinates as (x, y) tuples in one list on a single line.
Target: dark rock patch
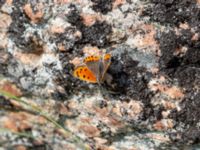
[(188, 118), (18, 27), (96, 35), (130, 81), (182, 67), (173, 12), (103, 6), (1, 3)]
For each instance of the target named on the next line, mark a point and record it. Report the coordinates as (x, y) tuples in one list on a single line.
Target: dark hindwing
[(106, 64)]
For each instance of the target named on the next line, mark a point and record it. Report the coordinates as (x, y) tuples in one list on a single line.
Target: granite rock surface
[(150, 96)]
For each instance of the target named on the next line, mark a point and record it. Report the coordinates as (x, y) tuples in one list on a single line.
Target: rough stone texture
[(149, 100)]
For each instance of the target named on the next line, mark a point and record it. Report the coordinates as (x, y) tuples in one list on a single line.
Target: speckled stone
[(149, 98)]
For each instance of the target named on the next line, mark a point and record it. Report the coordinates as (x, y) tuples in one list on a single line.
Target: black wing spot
[(85, 69), (83, 76)]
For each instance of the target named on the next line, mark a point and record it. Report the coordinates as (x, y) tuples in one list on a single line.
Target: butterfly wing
[(83, 73), (97, 66), (92, 62), (106, 63)]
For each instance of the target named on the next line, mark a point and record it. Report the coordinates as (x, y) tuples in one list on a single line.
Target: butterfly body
[(94, 68)]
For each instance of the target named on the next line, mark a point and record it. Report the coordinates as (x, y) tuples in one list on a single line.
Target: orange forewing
[(107, 56), (83, 73), (91, 58)]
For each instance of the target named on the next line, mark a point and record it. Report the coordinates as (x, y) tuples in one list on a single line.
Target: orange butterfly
[(94, 68)]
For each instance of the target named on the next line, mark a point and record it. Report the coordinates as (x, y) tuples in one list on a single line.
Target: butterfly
[(94, 68)]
